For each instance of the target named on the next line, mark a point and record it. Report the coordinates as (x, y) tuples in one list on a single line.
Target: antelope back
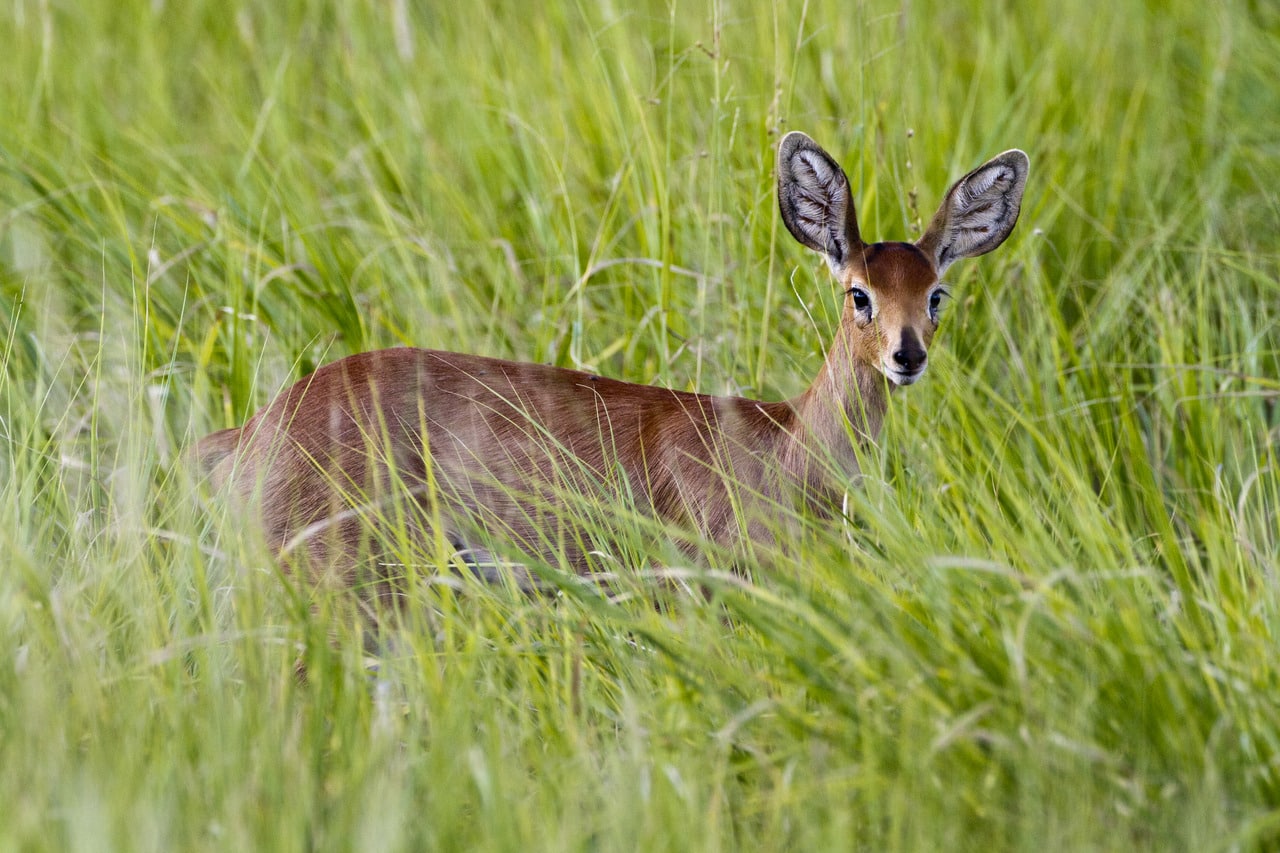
[(465, 451)]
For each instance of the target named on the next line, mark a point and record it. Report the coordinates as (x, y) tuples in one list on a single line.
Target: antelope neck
[(846, 389)]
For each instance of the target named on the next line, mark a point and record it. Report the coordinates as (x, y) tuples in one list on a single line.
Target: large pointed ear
[(979, 212), (814, 197)]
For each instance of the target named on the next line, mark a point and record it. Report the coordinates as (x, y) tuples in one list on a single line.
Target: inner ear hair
[(815, 200), (979, 211)]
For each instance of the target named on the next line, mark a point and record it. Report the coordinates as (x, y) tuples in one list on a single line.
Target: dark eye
[(861, 301), (935, 300)]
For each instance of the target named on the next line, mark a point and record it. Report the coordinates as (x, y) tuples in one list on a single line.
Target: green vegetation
[(1050, 623)]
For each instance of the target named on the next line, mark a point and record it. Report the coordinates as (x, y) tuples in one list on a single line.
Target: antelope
[(463, 451)]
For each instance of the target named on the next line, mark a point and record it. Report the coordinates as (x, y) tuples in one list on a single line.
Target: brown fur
[(461, 449)]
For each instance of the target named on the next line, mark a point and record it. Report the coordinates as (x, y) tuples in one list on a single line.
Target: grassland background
[(1050, 624)]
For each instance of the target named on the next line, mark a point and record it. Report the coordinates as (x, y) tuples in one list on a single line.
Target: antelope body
[(461, 450)]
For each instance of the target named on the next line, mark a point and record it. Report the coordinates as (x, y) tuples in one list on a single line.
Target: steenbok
[(442, 452)]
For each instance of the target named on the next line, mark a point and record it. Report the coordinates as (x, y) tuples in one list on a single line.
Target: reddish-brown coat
[(459, 451)]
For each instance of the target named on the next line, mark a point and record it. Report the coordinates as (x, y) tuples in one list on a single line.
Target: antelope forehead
[(897, 268)]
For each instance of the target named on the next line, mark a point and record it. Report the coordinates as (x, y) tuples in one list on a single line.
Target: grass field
[(1049, 623)]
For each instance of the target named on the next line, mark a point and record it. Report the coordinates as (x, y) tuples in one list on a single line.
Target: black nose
[(911, 357)]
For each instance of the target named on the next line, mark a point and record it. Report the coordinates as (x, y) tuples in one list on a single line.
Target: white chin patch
[(901, 377)]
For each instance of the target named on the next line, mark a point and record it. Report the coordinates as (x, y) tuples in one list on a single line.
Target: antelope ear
[(814, 198), (979, 212)]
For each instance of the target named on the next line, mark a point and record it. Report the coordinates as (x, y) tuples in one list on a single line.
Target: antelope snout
[(905, 363)]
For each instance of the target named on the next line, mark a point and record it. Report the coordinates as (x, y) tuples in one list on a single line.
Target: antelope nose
[(910, 359)]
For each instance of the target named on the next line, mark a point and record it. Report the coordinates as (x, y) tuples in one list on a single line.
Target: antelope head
[(893, 290)]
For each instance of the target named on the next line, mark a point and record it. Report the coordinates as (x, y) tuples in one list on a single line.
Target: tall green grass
[(1049, 623)]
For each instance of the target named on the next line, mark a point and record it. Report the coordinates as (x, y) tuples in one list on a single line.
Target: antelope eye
[(861, 301), (935, 300)]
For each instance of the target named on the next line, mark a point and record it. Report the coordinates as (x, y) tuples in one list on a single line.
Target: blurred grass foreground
[(1048, 622)]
